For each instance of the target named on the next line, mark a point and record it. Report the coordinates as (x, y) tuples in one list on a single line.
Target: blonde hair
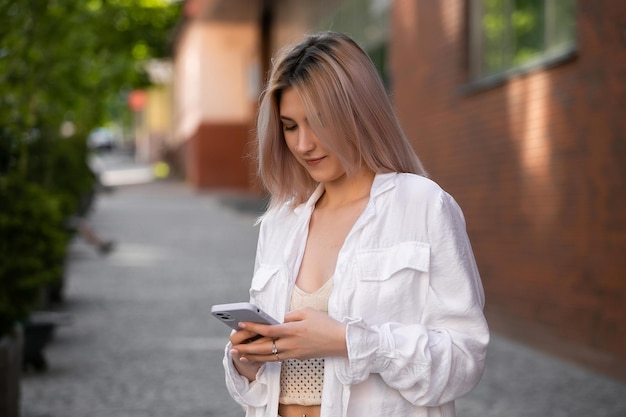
[(347, 107)]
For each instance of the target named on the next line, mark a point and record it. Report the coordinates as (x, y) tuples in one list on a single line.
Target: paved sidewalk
[(142, 341)]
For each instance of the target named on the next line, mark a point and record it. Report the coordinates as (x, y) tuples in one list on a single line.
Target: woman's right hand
[(244, 366)]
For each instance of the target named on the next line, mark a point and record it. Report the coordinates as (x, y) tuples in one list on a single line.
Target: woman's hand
[(306, 334), (244, 365)]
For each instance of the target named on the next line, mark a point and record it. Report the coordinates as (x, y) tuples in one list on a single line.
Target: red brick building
[(216, 86), (518, 109), (537, 159)]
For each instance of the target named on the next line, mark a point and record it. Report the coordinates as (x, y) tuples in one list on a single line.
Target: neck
[(347, 189)]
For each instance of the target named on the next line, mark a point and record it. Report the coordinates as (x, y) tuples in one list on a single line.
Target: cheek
[(290, 141)]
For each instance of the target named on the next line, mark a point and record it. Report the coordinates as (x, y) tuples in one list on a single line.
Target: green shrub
[(32, 247), (60, 166), (44, 180)]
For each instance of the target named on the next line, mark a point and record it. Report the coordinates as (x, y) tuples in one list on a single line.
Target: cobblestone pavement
[(141, 341)]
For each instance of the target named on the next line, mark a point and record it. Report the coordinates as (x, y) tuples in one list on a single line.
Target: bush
[(59, 165), (32, 247), (43, 180)]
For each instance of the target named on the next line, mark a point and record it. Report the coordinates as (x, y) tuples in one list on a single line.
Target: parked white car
[(101, 138)]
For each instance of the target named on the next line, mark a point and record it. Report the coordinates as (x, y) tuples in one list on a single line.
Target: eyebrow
[(286, 119)]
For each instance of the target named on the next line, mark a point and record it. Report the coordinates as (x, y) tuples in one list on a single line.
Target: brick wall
[(218, 156), (538, 165)]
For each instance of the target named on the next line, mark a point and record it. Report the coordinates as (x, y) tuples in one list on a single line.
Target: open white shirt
[(408, 289)]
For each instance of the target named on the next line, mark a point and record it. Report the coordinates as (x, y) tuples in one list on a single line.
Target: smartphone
[(233, 313)]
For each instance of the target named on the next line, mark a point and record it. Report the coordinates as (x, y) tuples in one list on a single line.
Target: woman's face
[(322, 165)]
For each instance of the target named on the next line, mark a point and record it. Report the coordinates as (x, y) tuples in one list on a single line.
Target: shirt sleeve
[(244, 392), (441, 356)]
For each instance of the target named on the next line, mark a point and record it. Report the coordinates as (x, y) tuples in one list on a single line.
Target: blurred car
[(101, 139)]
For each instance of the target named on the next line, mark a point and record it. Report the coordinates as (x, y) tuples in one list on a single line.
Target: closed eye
[(288, 123)]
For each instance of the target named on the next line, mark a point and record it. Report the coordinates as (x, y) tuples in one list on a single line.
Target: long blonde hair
[(347, 107)]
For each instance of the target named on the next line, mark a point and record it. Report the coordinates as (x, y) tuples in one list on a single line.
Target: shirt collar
[(382, 182)]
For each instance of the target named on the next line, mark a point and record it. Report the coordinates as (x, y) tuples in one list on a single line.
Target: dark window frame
[(550, 55)]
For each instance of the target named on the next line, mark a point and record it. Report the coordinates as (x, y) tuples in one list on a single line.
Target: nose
[(306, 140)]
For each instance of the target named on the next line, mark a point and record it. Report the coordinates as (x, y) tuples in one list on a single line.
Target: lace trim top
[(301, 381)]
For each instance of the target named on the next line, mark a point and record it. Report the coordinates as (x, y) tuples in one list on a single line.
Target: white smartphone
[(233, 313)]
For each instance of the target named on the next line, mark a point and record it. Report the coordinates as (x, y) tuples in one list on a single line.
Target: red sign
[(137, 100)]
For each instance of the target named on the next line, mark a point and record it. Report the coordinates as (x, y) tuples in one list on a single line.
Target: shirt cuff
[(246, 393), (368, 352)]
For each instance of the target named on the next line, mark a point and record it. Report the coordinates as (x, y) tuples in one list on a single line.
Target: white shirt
[(408, 289)]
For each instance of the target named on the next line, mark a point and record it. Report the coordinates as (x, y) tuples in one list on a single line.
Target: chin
[(328, 178)]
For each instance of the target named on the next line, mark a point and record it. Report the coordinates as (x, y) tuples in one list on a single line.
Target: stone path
[(142, 342)]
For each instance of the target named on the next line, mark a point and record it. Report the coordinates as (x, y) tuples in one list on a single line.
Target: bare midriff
[(296, 410)]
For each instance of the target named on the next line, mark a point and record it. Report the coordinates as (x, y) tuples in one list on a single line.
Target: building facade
[(515, 107), (535, 152), (216, 84)]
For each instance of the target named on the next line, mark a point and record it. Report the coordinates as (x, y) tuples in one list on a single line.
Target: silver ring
[(275, 350)]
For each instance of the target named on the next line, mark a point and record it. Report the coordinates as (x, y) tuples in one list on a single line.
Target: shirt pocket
[(393, 281), (263, 290), (383, 264)]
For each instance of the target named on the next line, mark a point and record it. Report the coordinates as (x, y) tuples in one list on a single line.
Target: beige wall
[(216, 75), (153, 124)]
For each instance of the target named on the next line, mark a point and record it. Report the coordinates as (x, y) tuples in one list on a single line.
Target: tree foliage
[(67, 59), (517, 32), (60, 61)]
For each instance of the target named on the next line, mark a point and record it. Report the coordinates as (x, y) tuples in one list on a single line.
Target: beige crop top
[(301, 381)]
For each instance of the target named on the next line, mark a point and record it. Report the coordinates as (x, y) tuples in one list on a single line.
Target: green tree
[(69, 59), (60, 60)]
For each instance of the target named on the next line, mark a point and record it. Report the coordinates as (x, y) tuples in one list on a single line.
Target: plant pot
[(55, 293), (10, 374), (37, 334)]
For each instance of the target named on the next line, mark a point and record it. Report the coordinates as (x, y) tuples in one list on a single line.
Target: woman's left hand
[(307, 333)]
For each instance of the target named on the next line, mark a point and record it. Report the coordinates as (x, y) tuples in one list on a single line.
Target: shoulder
[(416, 182), (416, 188), (420, 195)]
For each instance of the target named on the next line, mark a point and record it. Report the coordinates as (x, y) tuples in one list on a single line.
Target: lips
[(313, 161)]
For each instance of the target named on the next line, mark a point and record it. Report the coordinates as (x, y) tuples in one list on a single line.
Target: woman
[(365, 260)]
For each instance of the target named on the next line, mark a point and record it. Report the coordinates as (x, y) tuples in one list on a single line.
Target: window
[(508, 35), (367, 22)]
